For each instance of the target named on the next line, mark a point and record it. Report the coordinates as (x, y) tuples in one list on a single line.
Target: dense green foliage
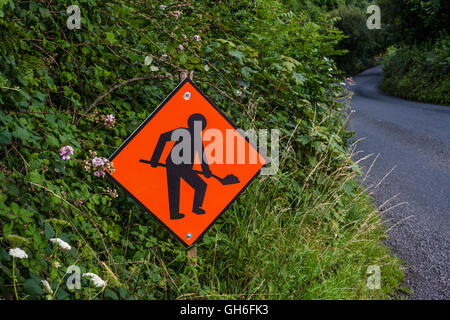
[(417, 67), (307, 232), (415, 21), (419, 72), (317, 7), (360, 43)]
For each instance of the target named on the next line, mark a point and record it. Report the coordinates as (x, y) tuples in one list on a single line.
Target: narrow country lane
[(413, 139)]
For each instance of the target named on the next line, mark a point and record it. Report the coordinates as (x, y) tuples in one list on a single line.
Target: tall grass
[(308, 233)]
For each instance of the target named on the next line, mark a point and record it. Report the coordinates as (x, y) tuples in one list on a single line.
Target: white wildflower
[(18, 253), (98, 282), (57, 264), (47, 286), (61, 243)]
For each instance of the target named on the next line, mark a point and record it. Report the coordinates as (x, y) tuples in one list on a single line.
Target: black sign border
[(144, 123)]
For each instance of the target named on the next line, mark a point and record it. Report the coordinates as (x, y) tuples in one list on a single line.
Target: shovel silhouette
[(229, 179)]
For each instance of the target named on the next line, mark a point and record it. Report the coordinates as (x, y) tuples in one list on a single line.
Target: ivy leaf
[(109, 294), (39, 96), (48, 231), (51, 141), (22, 134), (183, 59), (123, 293), (238, 55), (61, 294), (30, 286), (35, 177), (110, 37), (5, 137), (45, 13), (4, 255)]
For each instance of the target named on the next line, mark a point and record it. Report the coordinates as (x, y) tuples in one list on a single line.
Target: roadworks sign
[(186, 163)]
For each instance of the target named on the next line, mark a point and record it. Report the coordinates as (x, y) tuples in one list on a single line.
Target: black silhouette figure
[(184, 170)]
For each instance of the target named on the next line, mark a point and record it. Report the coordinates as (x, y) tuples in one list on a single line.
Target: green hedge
[(414, 21), (420, 72)]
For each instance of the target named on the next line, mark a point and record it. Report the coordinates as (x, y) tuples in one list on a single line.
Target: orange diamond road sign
[(184, 164)]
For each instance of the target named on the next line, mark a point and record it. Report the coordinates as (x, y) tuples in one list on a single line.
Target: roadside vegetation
[(413, 44), (359, 47), (417, 65), (70, 97), (419, 72)]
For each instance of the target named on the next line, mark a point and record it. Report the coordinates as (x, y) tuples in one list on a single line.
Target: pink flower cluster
[(99, 165), (109, 120), (176, 14), (196, 38), (66, 152)]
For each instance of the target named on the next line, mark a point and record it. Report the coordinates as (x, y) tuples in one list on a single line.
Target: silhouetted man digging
[(184, 169)]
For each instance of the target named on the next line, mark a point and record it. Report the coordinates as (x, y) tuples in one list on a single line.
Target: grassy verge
[(312, 238)]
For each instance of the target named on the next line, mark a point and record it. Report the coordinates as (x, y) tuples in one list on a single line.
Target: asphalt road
[(414, 139)]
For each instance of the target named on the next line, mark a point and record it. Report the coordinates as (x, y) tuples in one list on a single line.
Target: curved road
[(413, 139)]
